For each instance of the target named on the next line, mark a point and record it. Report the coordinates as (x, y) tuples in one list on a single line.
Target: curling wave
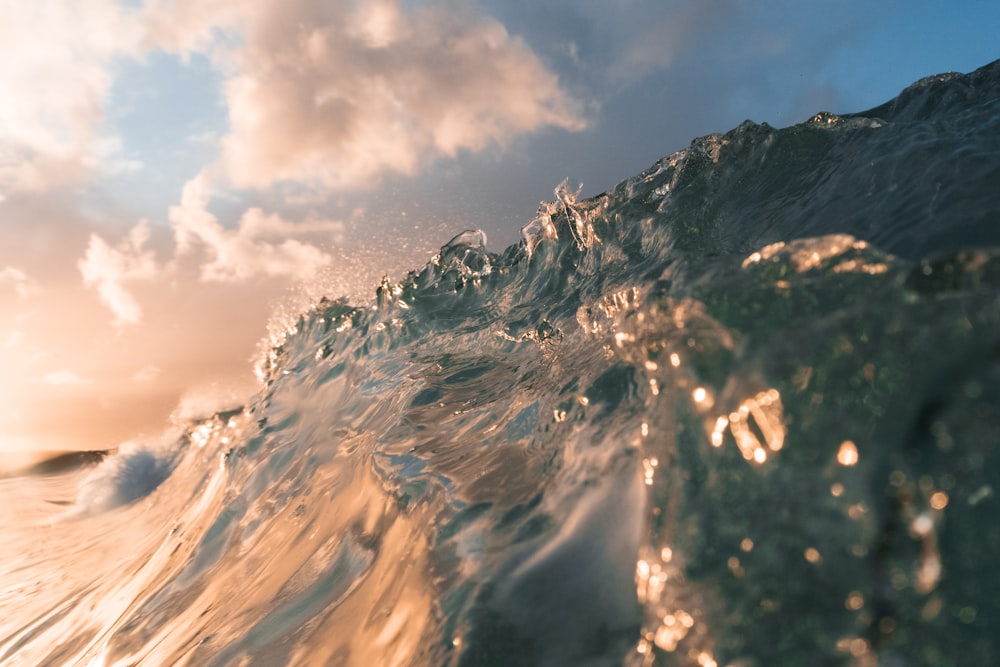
[(739, 410)]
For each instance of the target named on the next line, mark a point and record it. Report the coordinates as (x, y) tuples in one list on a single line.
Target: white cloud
[(259, 246), (107, 268), (342, 92), (65, 378), (22, 284), (55, 74), (147, 373), (185, 26)]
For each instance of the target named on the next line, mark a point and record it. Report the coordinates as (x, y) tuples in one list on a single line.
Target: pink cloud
[(55, 74), (107, 268), (339, 93), (261, 245)]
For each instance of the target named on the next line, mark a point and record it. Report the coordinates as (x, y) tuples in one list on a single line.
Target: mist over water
[(739, 410)]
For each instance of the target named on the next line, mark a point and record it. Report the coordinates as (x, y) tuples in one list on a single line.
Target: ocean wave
[(738, 410)]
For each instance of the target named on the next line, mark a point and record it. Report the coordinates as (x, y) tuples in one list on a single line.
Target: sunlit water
[(740, 410)]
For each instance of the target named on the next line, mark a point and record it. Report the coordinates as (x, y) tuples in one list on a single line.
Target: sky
[(178, 178)]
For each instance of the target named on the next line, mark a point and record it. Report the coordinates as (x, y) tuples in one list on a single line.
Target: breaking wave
[(739, 410)]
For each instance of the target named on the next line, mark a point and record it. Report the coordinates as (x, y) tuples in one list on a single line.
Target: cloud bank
[(340, 93), (55, 75)]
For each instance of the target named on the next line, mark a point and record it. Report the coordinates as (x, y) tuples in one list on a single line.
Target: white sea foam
[(133, 472), (202, 402)]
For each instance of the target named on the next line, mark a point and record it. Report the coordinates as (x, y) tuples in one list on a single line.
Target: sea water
[(742, 409)]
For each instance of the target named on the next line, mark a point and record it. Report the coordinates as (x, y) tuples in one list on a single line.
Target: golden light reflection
[(929, 566), (720, 428), (706, 660), (757, 426), (648, 470), (650, 580), (809, 254), (860, 266), (674, 628), (939, 500), (671, 615), (702, 397), (856, 511), (859, 647), (202, 434), (847, 455), (623, 338)]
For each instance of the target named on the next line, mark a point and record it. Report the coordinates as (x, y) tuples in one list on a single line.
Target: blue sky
[(177, 174), (167, 108)]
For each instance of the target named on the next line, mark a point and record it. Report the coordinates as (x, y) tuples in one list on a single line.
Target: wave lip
[(128, 474)]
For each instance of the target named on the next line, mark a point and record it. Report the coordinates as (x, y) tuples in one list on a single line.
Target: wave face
[(739, 410)]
